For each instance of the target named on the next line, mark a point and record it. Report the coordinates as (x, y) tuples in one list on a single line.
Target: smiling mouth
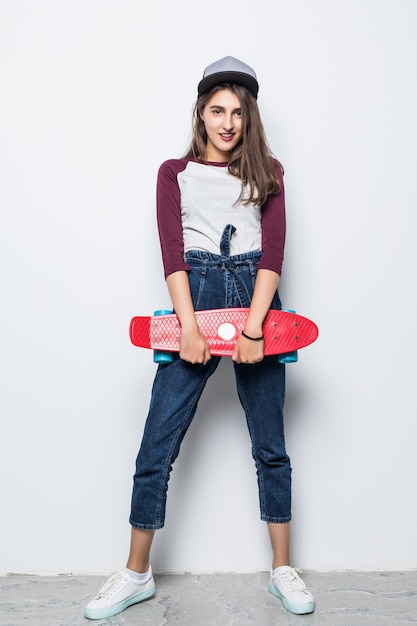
[(227, 136)]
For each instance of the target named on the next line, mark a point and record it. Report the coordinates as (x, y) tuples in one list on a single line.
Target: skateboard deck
[(283, 331)]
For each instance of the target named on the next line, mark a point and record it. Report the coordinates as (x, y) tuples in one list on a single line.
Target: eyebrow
[(215, 106)]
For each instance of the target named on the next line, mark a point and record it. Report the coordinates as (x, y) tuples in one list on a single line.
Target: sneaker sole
[(121, 606), (298, 609)]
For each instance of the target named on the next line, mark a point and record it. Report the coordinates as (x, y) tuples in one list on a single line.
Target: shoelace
[(111, 586), (292, 579)]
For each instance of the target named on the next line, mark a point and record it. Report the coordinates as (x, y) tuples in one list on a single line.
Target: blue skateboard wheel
[(288, 357), (159, 356)]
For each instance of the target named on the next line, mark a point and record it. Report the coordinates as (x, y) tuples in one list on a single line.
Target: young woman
[(221, 220)]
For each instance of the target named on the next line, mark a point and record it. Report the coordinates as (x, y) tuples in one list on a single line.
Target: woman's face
[(223, 122)]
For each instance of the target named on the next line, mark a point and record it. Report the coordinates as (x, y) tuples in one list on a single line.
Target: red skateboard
[(284, 332)]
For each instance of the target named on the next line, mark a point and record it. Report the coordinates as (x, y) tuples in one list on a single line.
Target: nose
[(228, 121)]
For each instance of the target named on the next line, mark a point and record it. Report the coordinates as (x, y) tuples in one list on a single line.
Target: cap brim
[(229, 77)]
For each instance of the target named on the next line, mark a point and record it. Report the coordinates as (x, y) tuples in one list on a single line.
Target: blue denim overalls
[(216, 281)]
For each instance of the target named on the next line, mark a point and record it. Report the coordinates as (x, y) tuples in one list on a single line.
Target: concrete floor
[(342, 599)]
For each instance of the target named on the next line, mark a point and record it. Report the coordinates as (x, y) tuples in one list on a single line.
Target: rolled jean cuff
[(140, 526), (275, 520)]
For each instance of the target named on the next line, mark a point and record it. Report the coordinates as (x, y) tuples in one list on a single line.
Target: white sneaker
[(286, 584), (117, 593)]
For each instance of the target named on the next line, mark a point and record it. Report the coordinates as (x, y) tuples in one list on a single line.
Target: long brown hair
[(251, 160)]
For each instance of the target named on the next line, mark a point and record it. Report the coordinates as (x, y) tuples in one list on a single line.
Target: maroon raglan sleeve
[(273, 229), (168, 211)]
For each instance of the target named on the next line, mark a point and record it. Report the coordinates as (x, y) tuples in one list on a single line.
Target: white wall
[(93, 96)]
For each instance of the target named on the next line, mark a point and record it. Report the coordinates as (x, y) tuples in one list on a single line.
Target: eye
[(238, 112)]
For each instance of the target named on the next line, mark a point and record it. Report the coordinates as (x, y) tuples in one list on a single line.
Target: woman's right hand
[(194, 347)]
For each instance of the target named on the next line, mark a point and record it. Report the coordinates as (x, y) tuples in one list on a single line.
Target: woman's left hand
[(248, 351)]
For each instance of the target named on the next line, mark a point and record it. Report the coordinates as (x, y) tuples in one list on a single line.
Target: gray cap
[(229, 70)]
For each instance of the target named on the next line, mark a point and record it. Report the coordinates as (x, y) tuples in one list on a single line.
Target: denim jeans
[(216, 281)]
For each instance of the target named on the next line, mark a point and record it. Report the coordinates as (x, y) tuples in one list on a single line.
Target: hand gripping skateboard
[(284, 332)]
